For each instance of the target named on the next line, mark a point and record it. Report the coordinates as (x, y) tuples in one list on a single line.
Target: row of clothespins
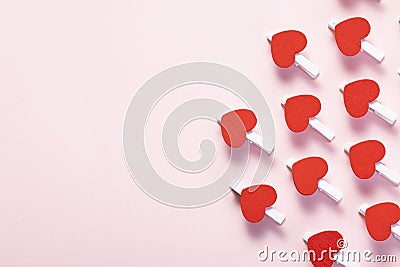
[(350, 37), (308, 173), (300, 111), (360, 97)]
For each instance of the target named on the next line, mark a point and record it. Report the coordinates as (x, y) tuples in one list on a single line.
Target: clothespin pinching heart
[(350, 34), (360, 97), (286, 47), (307, 176), (237, 127), (382, 220), (365, 160), (328, 247), (256, 202), (301, 112)]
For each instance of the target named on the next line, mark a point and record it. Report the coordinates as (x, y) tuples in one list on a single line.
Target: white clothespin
[(382, 170), (395, 227), (316, 124), (366, 46), (256, 139), (340, 257), (271, 212), (323, 185), (302, 62), (376, 107)]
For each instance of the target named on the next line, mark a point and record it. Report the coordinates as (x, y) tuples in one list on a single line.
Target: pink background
[(68, 72)]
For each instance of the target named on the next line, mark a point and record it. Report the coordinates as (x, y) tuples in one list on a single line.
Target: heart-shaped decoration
[(364, 156), (235, 124), (254, 200), (349, 33), (285, 45), (379, 219), (306, 173), (357, 96), (324, 245), (299, 109)]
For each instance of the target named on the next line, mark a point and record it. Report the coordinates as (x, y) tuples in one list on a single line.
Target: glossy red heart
[(349, 33), (363, 157), (323, 246), (235, 124), (379, 219), (299, 109), (285, 45), (357, 96), (306, 173), (254, 200)]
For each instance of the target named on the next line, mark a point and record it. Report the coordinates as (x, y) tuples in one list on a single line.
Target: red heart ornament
[(357, 96), (254, 200), (235, 124), (307, 172), (349, 33), (363, 157), (285, 45), (299, 109), (323, 246), (379, 219)]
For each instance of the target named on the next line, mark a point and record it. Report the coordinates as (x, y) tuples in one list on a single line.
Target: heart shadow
[(368, 186), (360, 125), (354, 3), (353, 64)]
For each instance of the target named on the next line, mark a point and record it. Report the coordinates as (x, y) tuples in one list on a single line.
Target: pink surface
[(68, 72)]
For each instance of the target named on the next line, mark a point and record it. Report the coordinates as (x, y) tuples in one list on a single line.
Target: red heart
[(379, 219), (285, 45), (235, 124), (254, 200), (307, 172), (299, 109), (363, 157), (323, 246), (349, 33), (357, 96)]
